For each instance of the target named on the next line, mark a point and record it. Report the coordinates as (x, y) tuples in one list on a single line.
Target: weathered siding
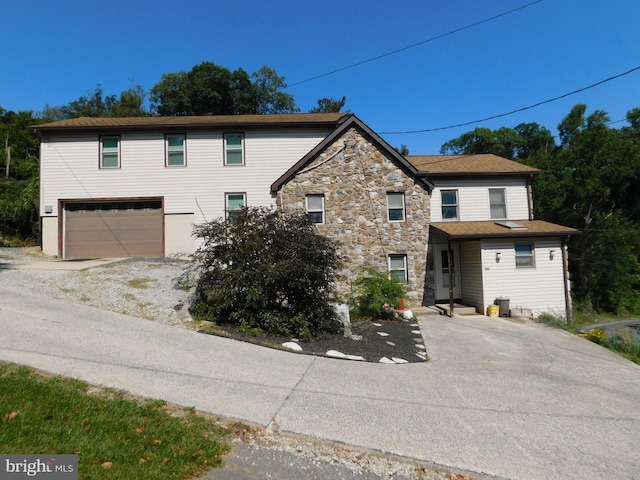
[(540, 288), (355, 175), (473, 198)]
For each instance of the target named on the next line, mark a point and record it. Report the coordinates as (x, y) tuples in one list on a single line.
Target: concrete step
[(458, 309)]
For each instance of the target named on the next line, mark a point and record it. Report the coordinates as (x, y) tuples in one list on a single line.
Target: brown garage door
[(113, 229)]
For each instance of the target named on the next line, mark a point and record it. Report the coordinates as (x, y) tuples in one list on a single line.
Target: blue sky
[(55, 51)]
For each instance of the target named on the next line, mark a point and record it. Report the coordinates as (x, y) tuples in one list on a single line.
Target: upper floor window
[(524, 255), (175, 150), (449, 204), (315, 208), (398, 267), (109, 152), (497, 203), (233, 149), (234, 203), (395, 207)]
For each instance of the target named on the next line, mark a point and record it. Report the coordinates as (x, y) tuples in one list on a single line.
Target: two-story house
[(457, 229)]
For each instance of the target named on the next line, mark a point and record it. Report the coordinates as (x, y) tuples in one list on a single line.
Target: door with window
[(443, 267)]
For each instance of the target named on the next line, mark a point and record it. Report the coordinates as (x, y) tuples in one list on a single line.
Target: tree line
[(589, 181)]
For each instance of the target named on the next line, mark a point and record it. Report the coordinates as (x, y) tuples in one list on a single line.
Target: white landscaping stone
[(391, 343), (421, 347), (386, 360), (335, 354), (383, 334), (415, 325), (292, 346), (354, 357), (377, 324), (408, 314), (417, 332), (399, 360)]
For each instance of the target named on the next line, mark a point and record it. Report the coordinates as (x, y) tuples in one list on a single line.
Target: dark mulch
[(404, 341)]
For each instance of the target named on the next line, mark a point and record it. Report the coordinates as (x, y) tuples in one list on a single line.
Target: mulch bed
[(402, 342)]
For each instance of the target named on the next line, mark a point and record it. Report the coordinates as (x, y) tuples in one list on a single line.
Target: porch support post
[(450, 262), (565, 276)]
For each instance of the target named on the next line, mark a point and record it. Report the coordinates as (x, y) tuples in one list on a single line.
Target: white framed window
[(110, 152), (497, 203), (175, 147), (525, 257), (234, 203), (234, 149), (449, 204), (315, 208), (398, 267), (395, 207)]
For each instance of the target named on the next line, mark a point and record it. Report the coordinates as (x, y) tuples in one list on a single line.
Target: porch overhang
[(501, 229)]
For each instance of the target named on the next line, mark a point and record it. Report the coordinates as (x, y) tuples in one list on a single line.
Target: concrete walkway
[(512, 400)]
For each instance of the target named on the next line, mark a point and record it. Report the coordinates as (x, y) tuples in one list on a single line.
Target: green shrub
[(374, 289), (266, 270), (624, 342)]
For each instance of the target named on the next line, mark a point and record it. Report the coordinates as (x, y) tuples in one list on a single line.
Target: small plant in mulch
[(376, 294)]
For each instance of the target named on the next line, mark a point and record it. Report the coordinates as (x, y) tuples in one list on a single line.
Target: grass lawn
[(115, 437)]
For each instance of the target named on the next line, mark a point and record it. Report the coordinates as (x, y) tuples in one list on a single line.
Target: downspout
[(449, 261), (530, 197), (565, 276)]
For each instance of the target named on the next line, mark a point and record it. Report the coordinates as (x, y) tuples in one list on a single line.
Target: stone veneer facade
[(355, 175)]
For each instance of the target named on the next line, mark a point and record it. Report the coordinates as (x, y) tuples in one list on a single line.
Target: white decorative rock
[(416, 332), (408, 314), (399, 360), (292, 346), (383, 334), (335, 354), (386, 360)]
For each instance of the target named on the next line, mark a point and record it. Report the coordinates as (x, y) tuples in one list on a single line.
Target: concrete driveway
[(512, 400)]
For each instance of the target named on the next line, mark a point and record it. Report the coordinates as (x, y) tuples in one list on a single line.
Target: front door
[(443, 267)]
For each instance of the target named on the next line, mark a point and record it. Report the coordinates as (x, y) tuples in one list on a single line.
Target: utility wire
[(517, 110), (432, 39)]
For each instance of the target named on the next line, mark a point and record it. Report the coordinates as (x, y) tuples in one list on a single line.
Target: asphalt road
[(520, 401)]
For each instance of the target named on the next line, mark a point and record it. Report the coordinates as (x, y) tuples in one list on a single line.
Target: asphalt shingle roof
[(488, 229), (481, 164)]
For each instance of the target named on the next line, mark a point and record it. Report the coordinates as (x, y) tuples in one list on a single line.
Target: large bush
[(269, 271)]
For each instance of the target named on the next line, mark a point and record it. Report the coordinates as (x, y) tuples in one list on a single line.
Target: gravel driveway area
[(141, 287)]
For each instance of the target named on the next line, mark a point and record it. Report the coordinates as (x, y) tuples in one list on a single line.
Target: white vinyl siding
[(540, 288), (473, 199), (471, 269), (198, 189)]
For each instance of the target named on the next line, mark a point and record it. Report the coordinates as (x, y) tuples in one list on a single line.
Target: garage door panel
[(113, 230)]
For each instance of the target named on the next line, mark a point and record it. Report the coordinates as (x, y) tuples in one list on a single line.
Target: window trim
[(404, 270), (531, 255), (184, 149), (402, 209), (228, 210), (321, 211), (503, 204), (450, 205), (101, 147), (226, 149)]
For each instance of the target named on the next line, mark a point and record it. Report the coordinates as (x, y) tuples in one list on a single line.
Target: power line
[(518, 109), (432, 39)]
